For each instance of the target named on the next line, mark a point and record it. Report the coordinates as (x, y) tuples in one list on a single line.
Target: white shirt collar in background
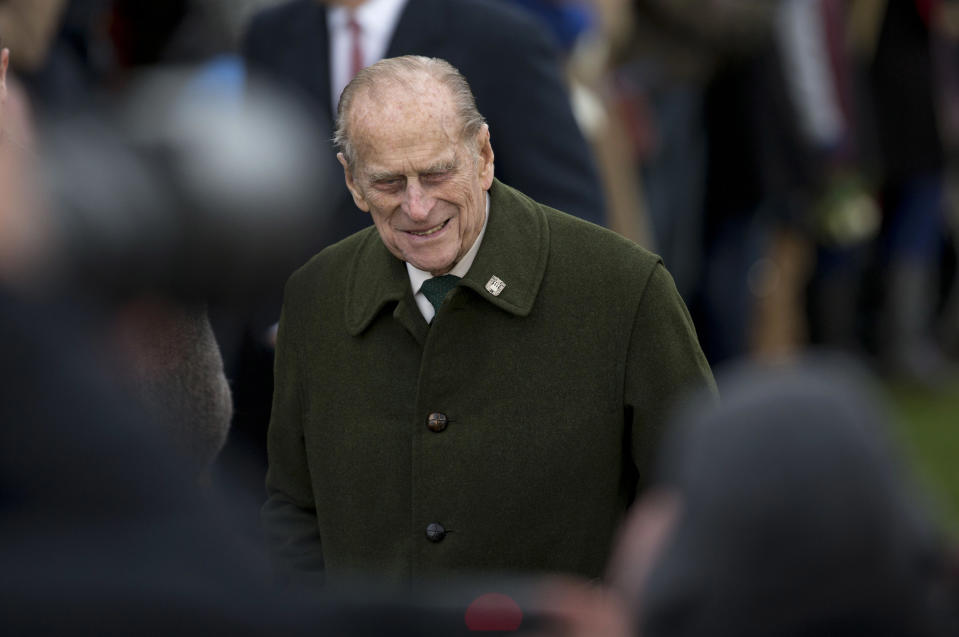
[(377, 20), (417, 276)]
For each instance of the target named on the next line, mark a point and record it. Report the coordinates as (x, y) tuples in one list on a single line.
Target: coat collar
[(514, 250)]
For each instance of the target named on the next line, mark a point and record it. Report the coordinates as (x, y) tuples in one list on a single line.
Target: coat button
[(437, 422), (435, 532)]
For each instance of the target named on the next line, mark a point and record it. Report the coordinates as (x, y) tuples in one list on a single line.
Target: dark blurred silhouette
[(793, 517), (913, 235), (165, 194), (149, 199)]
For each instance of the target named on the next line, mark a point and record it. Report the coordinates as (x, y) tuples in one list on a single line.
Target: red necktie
[(356, 46)]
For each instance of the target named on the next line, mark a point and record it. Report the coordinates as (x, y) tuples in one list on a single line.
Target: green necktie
[(436, 289)]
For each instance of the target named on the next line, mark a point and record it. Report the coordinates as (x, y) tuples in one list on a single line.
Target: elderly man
[(476, 383)]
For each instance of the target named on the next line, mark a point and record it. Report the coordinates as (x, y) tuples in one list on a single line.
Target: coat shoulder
[(598, 249)]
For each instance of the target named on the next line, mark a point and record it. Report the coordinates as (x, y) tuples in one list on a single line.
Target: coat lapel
[(514, 251), (376, 278)]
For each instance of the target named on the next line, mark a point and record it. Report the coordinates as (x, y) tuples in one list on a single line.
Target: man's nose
[(417, 202)]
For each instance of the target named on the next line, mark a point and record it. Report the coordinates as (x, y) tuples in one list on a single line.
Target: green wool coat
[(555, 391)]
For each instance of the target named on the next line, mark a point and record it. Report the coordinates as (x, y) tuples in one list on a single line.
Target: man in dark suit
[(511, 65), (478, 382)]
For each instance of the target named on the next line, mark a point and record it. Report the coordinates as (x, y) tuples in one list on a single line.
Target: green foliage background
[(927, 422)]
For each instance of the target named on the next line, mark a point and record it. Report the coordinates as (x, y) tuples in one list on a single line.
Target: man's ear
[(485, 157), (358, 197)]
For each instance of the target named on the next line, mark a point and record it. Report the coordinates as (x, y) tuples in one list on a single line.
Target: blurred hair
[(798, 517), (406, 70), (166, 190)]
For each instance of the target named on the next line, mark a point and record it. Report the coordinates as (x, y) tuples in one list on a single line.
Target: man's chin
[(438, 270)]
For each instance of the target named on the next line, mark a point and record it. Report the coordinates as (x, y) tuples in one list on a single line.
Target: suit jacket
[(520, 423), (509, 62)]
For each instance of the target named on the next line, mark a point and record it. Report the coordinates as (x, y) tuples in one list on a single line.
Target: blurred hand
[(24, 236), (641, 541), (576, 608)]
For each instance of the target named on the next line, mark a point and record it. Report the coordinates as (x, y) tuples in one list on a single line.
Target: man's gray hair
[(403, 71)]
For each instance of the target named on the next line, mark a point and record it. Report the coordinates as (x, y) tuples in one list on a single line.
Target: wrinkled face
[(422, 183)]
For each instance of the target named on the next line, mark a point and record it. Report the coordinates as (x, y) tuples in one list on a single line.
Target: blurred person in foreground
[(151, 203), (99, 525), (102, 528), (18, 231), (783, 511), (476, 384)]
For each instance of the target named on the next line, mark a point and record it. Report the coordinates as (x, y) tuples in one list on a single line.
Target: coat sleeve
[(665, 364), (289, 515)]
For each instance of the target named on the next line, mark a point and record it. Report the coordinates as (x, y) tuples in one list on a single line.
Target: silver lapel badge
[(495, 285)]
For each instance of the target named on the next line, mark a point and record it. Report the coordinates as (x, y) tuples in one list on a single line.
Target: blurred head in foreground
[(782, 512)]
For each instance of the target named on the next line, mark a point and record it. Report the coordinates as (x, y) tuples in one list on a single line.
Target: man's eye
[(388, 184)]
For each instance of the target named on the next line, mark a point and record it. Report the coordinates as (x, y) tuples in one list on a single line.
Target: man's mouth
[(429, 231)]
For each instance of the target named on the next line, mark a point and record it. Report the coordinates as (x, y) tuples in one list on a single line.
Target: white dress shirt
[(377, 20), (417, 276)]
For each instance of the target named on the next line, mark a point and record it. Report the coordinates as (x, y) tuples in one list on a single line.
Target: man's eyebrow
[(382, 176), (442, 166)]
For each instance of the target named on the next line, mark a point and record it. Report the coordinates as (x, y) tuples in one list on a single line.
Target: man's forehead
[(401, 123), (390, 106)]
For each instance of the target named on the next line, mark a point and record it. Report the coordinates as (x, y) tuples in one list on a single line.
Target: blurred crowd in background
[(794, 162)]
